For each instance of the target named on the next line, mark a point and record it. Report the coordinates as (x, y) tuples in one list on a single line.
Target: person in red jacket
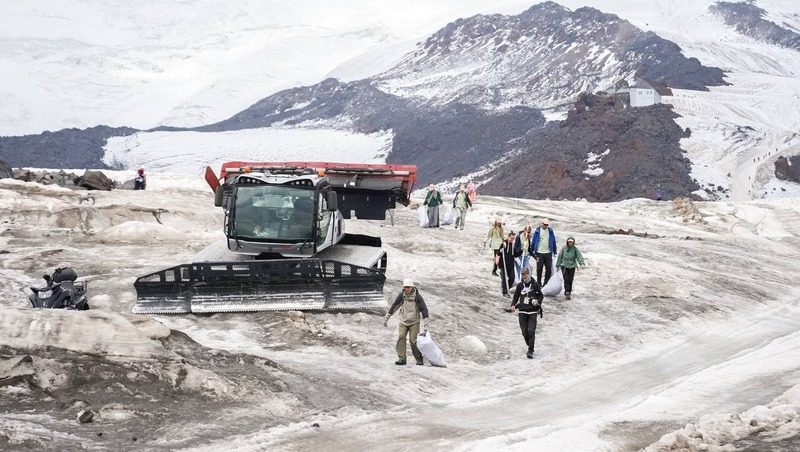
[(140, 181)]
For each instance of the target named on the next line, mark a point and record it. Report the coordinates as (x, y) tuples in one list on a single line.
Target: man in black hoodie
[(527, 302)]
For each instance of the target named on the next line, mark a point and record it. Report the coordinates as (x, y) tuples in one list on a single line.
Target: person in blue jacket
[(543, 251)]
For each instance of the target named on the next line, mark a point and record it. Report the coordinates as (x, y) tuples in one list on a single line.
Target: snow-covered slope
[(187, 63), (690, 324), (167, 151)]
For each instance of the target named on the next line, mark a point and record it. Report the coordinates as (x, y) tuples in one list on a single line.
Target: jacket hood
[(571, 238)]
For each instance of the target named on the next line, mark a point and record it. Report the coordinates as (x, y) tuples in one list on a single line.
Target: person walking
[(495, 239), (433, 200), (140, 181), (461, 203), (544, 249), (527, 302), (472, 191), (522, 250), (509, 274), (413, 314), (568, 260)]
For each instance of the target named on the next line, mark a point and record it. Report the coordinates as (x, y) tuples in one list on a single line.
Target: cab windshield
[(274, 213)]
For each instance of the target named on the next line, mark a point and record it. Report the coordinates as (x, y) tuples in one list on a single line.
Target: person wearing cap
[(433, 200), (461, 203), (527, 302), (544, 249), (411, 306), (140, 181), (568, 260)]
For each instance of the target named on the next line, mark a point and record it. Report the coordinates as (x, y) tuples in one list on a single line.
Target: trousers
[(412, 331)]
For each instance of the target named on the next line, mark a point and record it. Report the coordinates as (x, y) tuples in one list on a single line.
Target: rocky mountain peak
[(542, 57)]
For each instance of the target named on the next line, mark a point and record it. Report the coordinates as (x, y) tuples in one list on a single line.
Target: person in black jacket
[(527, 302), (509, 274)]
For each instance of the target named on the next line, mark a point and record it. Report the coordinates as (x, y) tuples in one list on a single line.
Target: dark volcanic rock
[(748, 19), (788, 169), (443, 141), (67, 148), (636, 148), (5, 170)]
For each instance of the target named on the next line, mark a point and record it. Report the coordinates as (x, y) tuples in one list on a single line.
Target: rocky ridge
[(602, 152), (748, 19)]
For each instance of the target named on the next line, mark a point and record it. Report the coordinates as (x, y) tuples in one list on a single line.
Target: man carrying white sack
[(411, 306)]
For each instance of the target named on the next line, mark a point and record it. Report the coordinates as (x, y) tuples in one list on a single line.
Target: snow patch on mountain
[(593, 162), (191, 152)]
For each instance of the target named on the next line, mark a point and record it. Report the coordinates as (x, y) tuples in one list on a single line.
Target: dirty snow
[(695, 321)]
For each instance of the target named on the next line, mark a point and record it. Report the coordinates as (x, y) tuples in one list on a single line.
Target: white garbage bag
[(556, 283), (423, 216), (448, 216), (430, 350)]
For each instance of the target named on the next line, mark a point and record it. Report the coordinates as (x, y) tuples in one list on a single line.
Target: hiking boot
[(400, 362), (420, 362), (494, 273), (507, 295), (567, 296), (530, 354)]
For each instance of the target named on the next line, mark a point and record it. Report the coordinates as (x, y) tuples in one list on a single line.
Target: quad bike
[(61, 292)]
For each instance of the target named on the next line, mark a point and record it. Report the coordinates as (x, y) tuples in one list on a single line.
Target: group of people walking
[(462, 201), (513, 254)]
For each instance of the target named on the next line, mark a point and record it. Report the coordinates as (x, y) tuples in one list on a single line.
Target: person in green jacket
[(461, 203), (568, 260), (433, 200)]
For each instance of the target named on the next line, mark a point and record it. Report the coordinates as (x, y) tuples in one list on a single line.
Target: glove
[(386, 320)]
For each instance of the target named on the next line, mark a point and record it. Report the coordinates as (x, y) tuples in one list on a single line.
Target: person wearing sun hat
[(411, 306), (568, 260), (543, 250)]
